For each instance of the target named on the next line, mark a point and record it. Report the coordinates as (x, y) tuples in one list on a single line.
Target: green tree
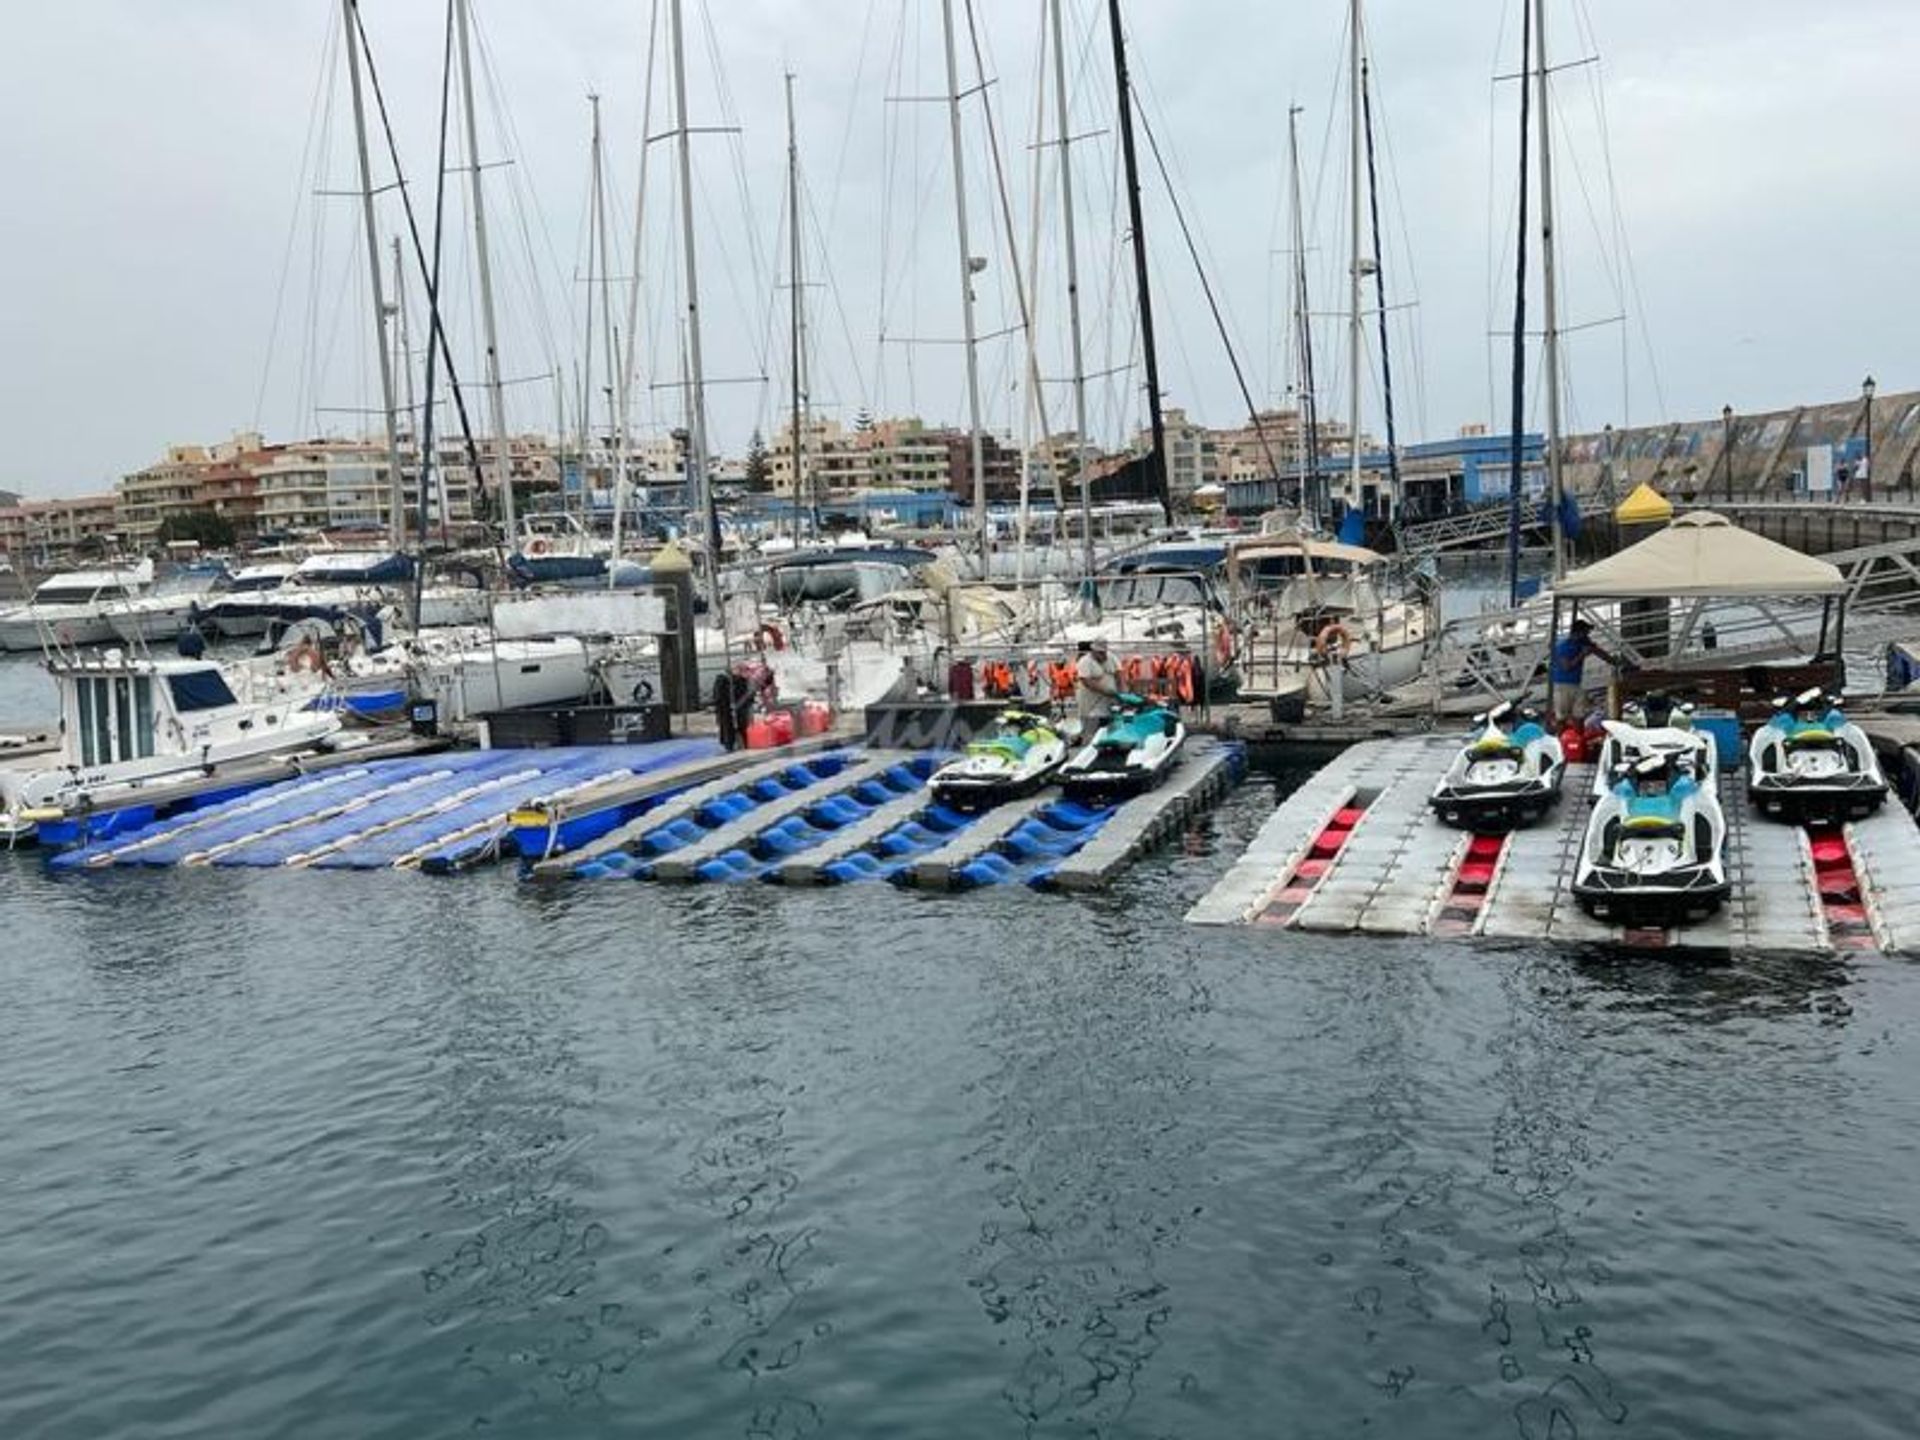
[(759, 466), (212, 529)]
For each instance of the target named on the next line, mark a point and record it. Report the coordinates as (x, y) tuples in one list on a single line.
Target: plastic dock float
[(698, 786), (940, 869), (456, 806), (685, 862), (1207, 770), (1357, 849), (811, 867)]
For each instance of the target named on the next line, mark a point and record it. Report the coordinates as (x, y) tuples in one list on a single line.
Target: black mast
[(1380, 292), (1157, 461)]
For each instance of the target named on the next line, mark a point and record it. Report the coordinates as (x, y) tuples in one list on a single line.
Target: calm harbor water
[(314, 1154)]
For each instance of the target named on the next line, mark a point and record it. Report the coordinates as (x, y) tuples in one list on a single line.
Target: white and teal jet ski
[(1014, 756)]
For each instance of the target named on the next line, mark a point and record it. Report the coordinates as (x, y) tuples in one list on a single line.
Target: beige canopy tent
[(1702, 555), (1699, 558)]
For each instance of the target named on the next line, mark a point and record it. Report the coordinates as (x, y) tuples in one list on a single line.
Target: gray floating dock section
[(1205, 773), (938, 869), (711, 779), (1282, 842), (1397, 867), (1886, 858), (809, 866), (1396, 860), (683, 864)]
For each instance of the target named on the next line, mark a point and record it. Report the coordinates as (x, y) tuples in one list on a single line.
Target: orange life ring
[(769, 636), (1331, 634), (539, 545)]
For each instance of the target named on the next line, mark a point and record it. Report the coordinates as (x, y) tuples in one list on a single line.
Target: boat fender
[(1223, 646)]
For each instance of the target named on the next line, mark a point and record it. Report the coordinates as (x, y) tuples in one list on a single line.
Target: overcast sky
[(170, 276)]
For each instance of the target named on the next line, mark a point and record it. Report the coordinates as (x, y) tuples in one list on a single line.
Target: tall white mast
[(403, 346), (596, 229), (1302, 337), (1355, 331), (1073, 289), (623, 400), (496, 399), (796, 277), (1550, 350), (396, 500), (696, 375), (966, 287), (606, 305)]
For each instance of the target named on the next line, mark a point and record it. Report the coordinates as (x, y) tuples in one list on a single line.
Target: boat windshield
[(56, 593), (199, 690)]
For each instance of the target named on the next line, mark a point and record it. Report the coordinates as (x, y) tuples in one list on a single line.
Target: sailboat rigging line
[(423, 464), (1309, 401), (319, 119), (1516, 453), (1123, 100), (439, 332), (1380, 286), (1025, 327), (1213, 303)]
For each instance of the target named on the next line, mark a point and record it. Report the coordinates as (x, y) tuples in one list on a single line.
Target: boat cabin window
[(116, 717), (53, 593), (199, 690), (1144, 591)]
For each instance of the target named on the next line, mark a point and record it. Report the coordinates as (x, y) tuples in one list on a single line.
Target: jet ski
[(1128, 754), (1647, 724), (1809, 764), (1655, 847), (1508, 774), (1014, 756)]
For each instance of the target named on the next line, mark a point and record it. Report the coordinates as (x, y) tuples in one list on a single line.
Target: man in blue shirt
[(1566, 667)]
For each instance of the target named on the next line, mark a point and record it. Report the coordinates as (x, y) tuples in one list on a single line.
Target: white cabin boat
[(73, 608), (128, 723)]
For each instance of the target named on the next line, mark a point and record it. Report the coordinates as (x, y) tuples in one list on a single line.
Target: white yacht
[(130, 723), (232, 609), (354, 579), (74, 608)]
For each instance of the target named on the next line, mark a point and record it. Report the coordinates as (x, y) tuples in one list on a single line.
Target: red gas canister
[(760, 734), (782, 723), (1573, 743)]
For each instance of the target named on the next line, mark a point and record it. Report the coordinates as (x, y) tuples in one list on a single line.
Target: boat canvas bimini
[(130, 723)]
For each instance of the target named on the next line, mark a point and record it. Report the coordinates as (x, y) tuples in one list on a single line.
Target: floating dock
[(1357, 849), (845, 817), (442, 812)]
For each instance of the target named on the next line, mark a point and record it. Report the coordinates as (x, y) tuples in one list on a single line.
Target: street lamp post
[(1866, 455), (1726, 446)]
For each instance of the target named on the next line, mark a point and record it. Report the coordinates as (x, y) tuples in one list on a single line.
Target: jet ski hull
[(1494, 811)]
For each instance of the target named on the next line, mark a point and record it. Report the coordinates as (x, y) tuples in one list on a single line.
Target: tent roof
[(1702, 554), (1645, 505), (1255, 547)]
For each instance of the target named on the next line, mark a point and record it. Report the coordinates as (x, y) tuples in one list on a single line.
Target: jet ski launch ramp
[(1357, 849)]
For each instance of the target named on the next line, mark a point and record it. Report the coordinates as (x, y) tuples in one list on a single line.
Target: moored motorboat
[(131, 723)]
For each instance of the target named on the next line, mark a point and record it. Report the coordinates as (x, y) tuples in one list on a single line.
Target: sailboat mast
[(1356, 334), (1550, 355), (1073, 290), (595, 229), (798, 318), (403, 345), (978, 445), (1308, 417), (624, 397), (1157, 463), (700, 492), (396, 501), (496, 399), (607, 327)]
